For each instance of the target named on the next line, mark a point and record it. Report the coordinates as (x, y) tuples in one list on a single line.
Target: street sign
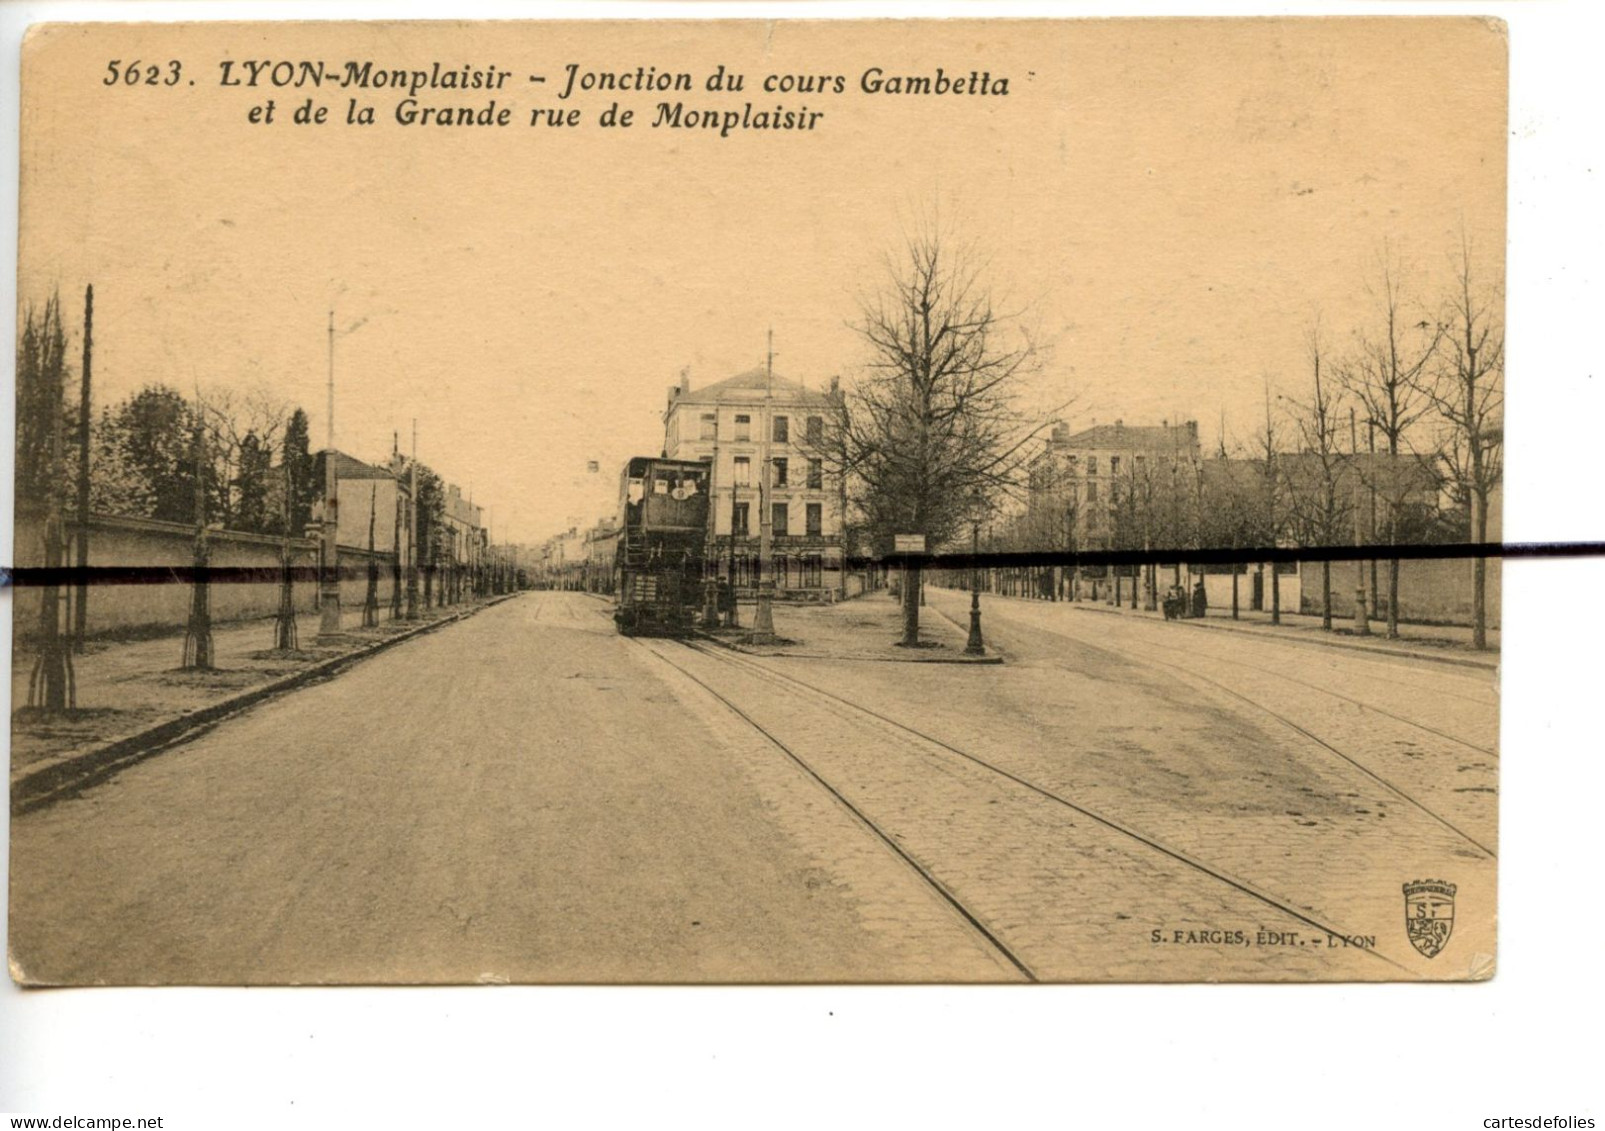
[(908, 543)]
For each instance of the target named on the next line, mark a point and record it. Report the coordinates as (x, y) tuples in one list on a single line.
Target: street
[(527, 796)]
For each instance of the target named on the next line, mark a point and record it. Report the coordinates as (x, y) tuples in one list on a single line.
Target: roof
[(349, 467), (753, 386), (1141, 437)]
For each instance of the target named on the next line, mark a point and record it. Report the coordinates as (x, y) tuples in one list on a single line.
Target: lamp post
[(975, 646), (710, 593), (763, 618)]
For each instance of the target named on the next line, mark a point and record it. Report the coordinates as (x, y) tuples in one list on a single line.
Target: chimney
[(835, 385), (1120, 424), (1061, 432), (685, 380)]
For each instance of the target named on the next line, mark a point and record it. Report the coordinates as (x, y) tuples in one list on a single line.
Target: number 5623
[(138, 73)]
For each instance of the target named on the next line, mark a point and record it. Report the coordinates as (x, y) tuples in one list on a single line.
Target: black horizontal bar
[(37, 576)]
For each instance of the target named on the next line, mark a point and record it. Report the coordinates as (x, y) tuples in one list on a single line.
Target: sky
[(1166, 205)]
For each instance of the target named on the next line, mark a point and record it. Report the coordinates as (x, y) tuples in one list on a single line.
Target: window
[(816, 430), (710, 427), (816, 474), (1092, 465), (738, 522), (1114, 465), (780, 473), (743, 426), (816, 519), (743, 471), (1075, 465), (1140, 464), (1092, 492), (812, 571), (778, 519), (782, 429)]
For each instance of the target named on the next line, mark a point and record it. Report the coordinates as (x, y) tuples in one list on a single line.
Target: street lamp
[(975, 646)]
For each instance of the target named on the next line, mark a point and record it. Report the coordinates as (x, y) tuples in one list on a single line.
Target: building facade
[(735, 425), (1084, 485)]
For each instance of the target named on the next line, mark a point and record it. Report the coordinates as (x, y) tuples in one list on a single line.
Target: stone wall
[(157, 602)]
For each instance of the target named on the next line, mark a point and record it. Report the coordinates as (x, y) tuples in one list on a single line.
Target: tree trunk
[(1234, 592), (1326, 596), (911, 606), (1393, 599), (1276, 595), (1479, 573)]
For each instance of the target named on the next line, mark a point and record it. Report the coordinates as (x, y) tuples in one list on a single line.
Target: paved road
[(519, 796), (528, 796)]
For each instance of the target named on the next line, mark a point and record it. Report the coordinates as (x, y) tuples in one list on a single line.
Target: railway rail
[(939, 807), (1187, 668)]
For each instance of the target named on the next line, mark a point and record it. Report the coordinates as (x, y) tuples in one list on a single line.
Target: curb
[(1396, 653), (50, 784), (731, 646)]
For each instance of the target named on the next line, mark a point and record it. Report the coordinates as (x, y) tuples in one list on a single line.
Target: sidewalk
[(126, 689), (1449, 644), (863, 628)]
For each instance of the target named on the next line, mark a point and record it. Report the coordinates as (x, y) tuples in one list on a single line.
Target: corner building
[(726, 424)]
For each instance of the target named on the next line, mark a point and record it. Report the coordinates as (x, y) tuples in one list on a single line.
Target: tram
[(662, 546)]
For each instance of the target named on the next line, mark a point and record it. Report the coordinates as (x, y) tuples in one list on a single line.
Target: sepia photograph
[(758, 502), (800, 563)]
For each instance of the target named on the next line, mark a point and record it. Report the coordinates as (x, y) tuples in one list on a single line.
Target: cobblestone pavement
[(1307, 774), (528, 796)]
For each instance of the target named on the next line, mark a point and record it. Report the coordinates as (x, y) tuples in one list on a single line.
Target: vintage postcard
[(758, 501)]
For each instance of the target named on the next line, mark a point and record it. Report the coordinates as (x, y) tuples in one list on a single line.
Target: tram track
[(1329, 692), (1144, 650), (931, 751)]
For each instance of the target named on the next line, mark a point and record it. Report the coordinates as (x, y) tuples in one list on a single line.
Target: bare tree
[(1386, 376), (934, 421), (1273, 512), (1467, 387), (1319, 505), (242, 426)]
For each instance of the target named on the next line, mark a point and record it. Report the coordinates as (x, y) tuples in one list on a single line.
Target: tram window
[(660, 486), (635, 491)]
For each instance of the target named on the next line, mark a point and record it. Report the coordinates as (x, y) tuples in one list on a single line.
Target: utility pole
[(329, 586), (1362, 623), (395, 535), (1371, 532), (198, 635), (763, 620), (285, 637), (412, 529), (80, 608), (370, 603)]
